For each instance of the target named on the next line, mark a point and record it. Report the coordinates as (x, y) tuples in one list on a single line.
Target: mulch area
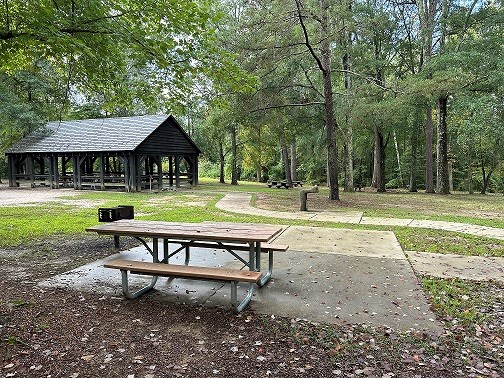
[(64, 333)]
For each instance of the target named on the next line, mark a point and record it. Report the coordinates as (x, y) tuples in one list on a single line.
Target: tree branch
[(312, 85), (307, 39), (287, 106), (371, 80)]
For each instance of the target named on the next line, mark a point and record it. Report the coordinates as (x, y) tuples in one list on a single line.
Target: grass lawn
[(20, 224)]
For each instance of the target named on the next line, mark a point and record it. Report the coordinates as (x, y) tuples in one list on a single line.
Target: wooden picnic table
[(231, 237)]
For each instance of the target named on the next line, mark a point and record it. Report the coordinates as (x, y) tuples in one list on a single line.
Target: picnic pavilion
[(130, 153)]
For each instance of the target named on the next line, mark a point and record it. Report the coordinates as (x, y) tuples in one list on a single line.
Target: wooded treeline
[(388, 94)]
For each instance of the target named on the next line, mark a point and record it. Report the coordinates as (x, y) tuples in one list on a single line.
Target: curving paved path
[(434, 264), (240, 203)]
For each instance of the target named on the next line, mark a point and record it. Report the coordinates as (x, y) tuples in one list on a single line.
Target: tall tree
[(323, 61), (427, 11)]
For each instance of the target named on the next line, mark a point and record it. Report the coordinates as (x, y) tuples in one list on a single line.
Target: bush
[(209, 169)]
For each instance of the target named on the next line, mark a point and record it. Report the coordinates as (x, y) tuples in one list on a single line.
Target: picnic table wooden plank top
[(217, 231)]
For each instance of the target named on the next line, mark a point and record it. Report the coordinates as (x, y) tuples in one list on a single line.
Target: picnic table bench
[(231, 237)]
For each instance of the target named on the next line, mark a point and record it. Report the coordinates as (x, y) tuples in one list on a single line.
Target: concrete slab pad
[(374, 286), (94, 277), (333, 288), (364, 243), (452, 266)]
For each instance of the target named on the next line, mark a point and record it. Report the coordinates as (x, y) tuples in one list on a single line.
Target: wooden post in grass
[(303, 196)]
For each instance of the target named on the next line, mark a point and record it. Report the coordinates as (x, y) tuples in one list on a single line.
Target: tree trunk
[(331, 126), (414, 160), (293, 166), (486, 176), (443, 178), (324, 65), (349, 168), (379, 159), (374, 166), (469, 171), (429, 158), (285, 158), (450, 175), (348, 161), (346, 38), (222, 161), (399, 171), (234, 156), (486, 179), (427, 15)]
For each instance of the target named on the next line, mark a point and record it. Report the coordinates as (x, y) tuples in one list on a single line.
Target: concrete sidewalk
[(240, 203)]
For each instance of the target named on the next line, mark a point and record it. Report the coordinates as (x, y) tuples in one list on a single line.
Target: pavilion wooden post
[(51, 171), (75, 171), (127, 173), (55, 166), (159, 162), (138, 173), (177, 171), (31, 172), (12, 170), (170, 171), (195, 170), (102, 172)]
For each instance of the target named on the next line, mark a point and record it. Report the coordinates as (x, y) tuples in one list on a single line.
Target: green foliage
[(207, 168), (122, 58)]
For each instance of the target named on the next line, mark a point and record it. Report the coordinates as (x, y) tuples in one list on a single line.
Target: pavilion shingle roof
[(103, 134)]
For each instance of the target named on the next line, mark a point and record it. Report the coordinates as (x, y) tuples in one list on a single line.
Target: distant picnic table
[(282, 183)]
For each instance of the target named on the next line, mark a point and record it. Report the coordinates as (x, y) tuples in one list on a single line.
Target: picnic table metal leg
[(266, 276), (234, 301), (165, 251), (126, 290), (187, 255), (155, 249), (116, 242), (153, 252), (252, 257), (257, 249)]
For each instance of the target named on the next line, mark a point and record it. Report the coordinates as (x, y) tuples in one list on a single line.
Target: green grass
[(23, 224), (458, 299), (437, 241)]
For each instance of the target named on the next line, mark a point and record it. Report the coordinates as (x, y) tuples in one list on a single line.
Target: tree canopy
[(359, 92)]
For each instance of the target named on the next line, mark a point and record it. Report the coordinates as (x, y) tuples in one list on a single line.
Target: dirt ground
[(60, 333)]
